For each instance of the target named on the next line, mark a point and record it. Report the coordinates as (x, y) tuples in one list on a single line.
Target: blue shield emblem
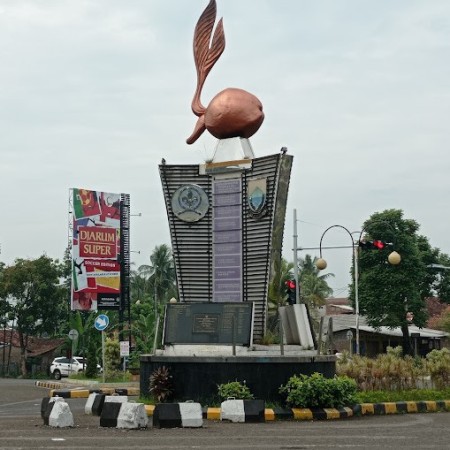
[(257, 195)]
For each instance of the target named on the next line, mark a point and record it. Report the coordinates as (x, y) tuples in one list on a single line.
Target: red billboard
[(95, 250)]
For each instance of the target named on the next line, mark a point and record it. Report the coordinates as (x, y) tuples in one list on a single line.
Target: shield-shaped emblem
[(257, 195)]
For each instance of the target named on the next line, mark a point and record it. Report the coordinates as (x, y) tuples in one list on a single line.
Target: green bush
[(317, 391), (438, 364), (234, 389), (393, 372)]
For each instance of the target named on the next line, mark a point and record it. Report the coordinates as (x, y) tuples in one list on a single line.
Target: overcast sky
[(93, 93)]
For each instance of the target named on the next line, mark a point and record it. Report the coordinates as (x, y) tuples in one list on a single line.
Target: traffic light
[(290, 285), (373, 245)]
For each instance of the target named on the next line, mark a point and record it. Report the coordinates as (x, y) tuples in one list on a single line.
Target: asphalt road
[(21, 427)]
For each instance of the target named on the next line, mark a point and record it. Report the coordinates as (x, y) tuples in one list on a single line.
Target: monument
[(226, 219)]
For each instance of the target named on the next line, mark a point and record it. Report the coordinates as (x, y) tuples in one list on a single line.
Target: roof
[(348, 322), (35, 346)]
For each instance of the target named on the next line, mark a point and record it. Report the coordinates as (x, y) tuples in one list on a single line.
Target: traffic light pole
[(297, 288)]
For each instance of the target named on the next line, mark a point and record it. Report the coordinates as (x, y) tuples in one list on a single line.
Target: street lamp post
[(393, 258)]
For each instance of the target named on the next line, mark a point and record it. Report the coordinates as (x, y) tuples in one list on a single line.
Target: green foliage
[(411, 395), (161, 384), (392, 372), (439, 367), (33, 299), (387, 292), (112, 357), (234, 389), (91, 366), (314, 286), (317, 391)]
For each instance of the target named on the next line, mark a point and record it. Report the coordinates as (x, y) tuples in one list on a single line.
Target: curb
[(62, 390), (271, 414)]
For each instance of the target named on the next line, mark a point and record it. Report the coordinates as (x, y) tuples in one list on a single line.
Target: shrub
[(234, 389), (389, 371), (161, 384), (317, 391), (438, 365)]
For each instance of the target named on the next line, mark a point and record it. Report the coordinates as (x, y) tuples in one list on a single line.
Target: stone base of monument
[(56, 413), (263, 368), (178, 415), (242, 410)]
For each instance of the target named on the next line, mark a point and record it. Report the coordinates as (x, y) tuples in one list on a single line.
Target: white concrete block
[(61, 415), (89, 403), (191, 415), (232, 410), (116, 398), (132, 416)]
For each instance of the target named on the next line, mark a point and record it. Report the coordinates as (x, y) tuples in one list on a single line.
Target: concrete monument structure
[(226, 219)]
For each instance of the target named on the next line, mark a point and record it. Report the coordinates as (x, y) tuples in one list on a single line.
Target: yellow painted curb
[(149, 409), (349, 411), (390, 408), (82, 393), (431, 406), (332, 413), (269, 414), (302, 413), (367, 408), (447, 404), (213, 414), (411, 407)]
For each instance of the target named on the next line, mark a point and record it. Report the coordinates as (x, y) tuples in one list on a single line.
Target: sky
[(93, 93)]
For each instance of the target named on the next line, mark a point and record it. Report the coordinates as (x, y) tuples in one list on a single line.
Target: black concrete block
[(167, 415), (97, 405), (47, 412), (110, 412), (254, 410)]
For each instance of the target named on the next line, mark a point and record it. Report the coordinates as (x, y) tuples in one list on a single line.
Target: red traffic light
[(290, 284), (378, 244)]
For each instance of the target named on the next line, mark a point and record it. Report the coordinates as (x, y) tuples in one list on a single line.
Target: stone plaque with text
[(208, 323)]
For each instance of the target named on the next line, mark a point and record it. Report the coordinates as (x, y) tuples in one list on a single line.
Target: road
[(21, 427)]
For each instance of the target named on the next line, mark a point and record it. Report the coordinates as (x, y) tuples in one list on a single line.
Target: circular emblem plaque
[(190, 203)]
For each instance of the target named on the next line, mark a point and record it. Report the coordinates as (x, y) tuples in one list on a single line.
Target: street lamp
[(393, 259)]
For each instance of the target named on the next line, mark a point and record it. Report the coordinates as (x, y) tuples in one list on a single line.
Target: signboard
[(208, 323), (124, 348), (73, 335), (95, 250), (101, 322)]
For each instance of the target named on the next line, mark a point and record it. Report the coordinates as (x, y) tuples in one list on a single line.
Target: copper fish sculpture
[(232, 112)]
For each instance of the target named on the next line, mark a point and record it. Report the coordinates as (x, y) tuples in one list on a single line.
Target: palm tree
[(162, 274), (314, 287)]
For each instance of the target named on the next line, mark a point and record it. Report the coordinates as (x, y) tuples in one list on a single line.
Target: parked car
[(63, 367)]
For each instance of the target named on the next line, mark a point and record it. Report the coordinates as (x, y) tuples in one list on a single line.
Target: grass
[(403, 396), (117, 377)]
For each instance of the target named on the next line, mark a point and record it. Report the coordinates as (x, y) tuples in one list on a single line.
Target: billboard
[(96, 247)]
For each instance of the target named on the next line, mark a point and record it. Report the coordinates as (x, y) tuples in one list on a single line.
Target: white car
[(63, 367)]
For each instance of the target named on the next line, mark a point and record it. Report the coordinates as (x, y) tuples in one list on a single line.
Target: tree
[(33, 291), (314, 287), (161, 274), (387, 292)]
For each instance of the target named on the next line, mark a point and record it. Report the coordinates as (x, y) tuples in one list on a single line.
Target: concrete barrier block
[(116, 399), (94, 404), (254, 410), (167, 415), (191, 415), (58, 414), (110, 413), (132, 416), (232, 410)]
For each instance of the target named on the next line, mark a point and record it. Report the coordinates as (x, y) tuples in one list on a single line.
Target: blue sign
[(101, 322)]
